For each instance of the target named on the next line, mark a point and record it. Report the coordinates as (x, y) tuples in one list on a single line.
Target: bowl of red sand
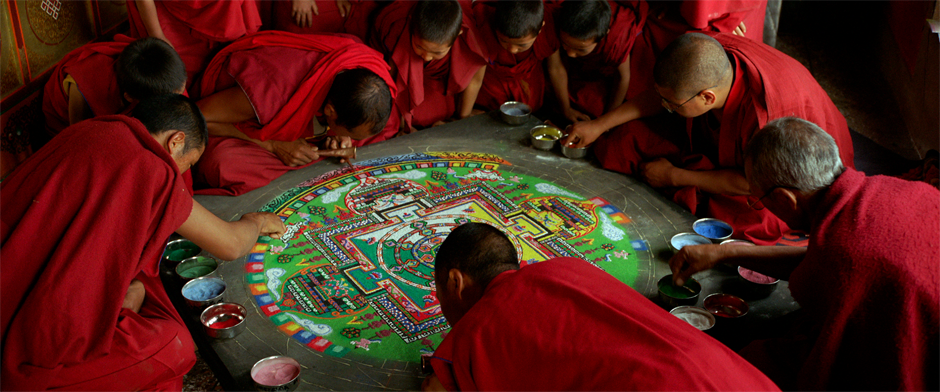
[(277, 373), (725, 306), (756, 284), (224, 320)]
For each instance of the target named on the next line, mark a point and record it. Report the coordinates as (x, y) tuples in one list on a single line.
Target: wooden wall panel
[(51, 29), (11, 74)]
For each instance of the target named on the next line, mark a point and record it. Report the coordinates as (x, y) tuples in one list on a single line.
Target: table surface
[(654, 220)]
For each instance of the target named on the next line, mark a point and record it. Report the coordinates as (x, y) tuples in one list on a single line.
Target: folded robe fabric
[(81, 218), (566, 325), (869, 285)]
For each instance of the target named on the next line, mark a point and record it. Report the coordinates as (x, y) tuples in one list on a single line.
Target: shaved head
[(437, 21), (692, 63)]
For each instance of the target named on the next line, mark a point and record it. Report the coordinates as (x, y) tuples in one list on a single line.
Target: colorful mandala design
[(355, 270)]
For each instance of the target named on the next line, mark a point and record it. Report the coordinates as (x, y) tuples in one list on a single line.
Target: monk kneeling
[(84, 222), (563, 324)]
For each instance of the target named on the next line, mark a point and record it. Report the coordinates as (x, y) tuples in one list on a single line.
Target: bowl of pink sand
[(277, 373), (756, 284)]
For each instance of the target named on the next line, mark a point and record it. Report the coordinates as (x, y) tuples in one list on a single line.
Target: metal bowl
[(725, 306), (695, 316), (224, 320), (280, 370), (544, 137), (179, 250), (574, 153), (196, 267), (713, 229), (669, 293), (202, 292), (756, 285), (681, 240), (514, 113)]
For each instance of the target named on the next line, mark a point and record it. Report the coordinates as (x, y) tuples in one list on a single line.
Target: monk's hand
[(581, 134), (432, 383), (303, 11), (694, 258), (740, 30), (574, 115), (344, 7), (295, 153), (134, 298), (657, 173), (269, 224), (336, 142)]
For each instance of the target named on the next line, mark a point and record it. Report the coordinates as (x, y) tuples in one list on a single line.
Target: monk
[(329, 91), (84, 222), (436, 61), (518, 36), (727, 87), (107, 77), (196, 28), (596, 38), (867, 281), (516, 329)]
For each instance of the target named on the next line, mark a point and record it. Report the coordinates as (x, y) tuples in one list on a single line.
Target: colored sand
[(516, 112), (685, 240), (225, 321), (713, 230), (680, 292), (696, 319), (726, 311), (201, 291), (276, 374), (181, 254), (196, 271), (756, 277)]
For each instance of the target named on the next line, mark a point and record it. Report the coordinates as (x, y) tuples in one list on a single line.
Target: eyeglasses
[(671, 107), (755, 203)]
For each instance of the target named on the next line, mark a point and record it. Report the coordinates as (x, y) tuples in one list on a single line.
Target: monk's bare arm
[(617, 98), (559, 78), (776, 261), (227, 106), (584, 133), (469, 95), (229, 240), (78, 108), (661, 173), (148, 15), (134, 298)]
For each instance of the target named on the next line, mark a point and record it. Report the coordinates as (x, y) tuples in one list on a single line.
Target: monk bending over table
[(517, 37), (436, 61), (104, 78), (867, 281), (84, 222), (330, 91), (727, 87), (517, 329)]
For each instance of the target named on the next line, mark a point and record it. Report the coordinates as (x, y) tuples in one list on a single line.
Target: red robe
[(92, 67), (196, 28), (426, 90), (767, 85), (564, 324), (285, 106), (592, 78), (329, 20), (868, 286), (81, 218), (512, 77), (725, 15)]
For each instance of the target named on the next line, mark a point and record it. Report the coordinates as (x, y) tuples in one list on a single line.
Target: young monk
[(727, 87), (107, 77), (514, 329), (867, 282), (436, 61), (517, 36), (195, 28), (591, 73), (329, 91), (84, 222)]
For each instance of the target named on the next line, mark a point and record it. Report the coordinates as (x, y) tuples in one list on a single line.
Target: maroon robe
[(512, 77), (81, 218), (568, 325), (426, 91), (868, 288), (767, 85)]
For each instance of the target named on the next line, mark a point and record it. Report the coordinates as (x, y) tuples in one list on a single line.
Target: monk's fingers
[(344, 7), (743, 27)]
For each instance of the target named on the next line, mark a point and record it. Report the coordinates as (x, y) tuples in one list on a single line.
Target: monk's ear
[(710, 97), (329, 111), (129, 98), (458, 283), (786, 197), (176, 142)]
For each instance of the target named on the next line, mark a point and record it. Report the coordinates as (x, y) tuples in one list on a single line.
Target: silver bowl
[(713, 229), (514, 113), (667, 292), (573, 153), (198, 298), (224, 320), (284, 369), (196, 267), (179, 250), (681, 240), (687, 313), (544, 137), (757, 288)]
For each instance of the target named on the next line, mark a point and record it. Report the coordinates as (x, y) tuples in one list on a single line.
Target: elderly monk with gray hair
[(867, 281)]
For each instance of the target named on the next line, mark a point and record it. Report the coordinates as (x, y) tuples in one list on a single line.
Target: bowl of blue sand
[(713, 229), (514, 113), (202, 292), (682, 240)]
